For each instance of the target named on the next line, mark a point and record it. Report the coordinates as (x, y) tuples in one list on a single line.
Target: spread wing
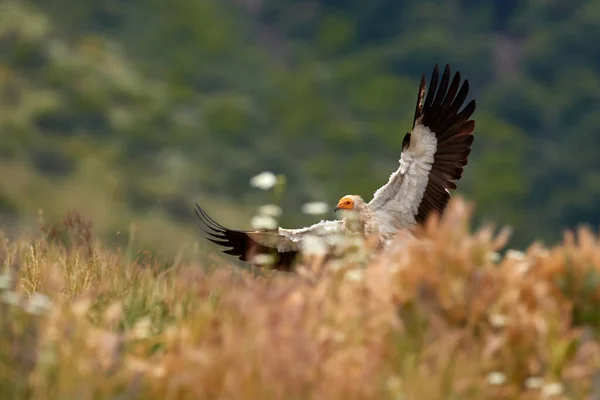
[(284, 244), (433, 155)]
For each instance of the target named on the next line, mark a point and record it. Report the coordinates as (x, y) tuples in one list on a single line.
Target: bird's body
[(433, 156)]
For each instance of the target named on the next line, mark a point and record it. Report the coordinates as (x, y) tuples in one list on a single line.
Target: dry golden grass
[(436, 318)]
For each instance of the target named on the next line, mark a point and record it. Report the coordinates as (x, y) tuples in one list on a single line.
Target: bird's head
[(345, 203), (350, 203)]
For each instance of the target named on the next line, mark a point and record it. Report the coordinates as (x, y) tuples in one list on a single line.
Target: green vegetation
[(444, 317), (128, 111)]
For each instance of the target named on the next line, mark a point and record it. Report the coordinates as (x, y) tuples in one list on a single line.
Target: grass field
[(444, 317)]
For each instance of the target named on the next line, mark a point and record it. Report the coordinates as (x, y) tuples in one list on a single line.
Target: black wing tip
[(436, 69), (447, 72), (207, 221), (212, 228), (444, 105), (453, 129), (239, 244)]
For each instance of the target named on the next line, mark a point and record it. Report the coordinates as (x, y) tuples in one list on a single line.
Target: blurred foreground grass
[(444, 317)]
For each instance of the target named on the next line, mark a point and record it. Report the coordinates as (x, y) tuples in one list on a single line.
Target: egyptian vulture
[(433, 157)]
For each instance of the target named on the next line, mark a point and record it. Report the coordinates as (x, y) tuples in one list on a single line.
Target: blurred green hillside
[(129, 110)]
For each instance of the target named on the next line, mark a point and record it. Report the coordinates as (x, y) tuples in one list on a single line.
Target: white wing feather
[(396, 204), (321, 229), (293, 239)]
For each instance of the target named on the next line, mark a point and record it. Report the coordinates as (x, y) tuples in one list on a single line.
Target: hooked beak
[(338, 208)]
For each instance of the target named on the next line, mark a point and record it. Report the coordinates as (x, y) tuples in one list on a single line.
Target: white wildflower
[(263, 259), (339, 336), (113, 313), (6, 281), (541, 252), (355, 275), (496, 378), (141, 329), (534, 382), (493, 256), (270, 210), (10, 297), (315, 208), (265, 180), (552, 389), (515, 255), (522, 267), (314, 245), (498, 320), (336, 265), (394, 384), (158, 371), (38, 304), (263, 222)]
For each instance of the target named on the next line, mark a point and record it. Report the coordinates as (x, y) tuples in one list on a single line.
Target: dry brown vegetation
[(443, 317)]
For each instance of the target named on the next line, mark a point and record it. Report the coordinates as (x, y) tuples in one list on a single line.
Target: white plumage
[(434, 155), (395, 205)]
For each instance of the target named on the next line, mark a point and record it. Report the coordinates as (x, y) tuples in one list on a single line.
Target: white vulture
[(433, 156)]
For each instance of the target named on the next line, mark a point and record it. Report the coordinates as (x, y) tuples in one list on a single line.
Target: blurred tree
[(155, 103)]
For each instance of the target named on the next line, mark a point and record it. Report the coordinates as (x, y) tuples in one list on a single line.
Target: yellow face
[(345, 203)]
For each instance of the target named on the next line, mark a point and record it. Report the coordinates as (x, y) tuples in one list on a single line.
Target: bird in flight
[(433, 157)]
